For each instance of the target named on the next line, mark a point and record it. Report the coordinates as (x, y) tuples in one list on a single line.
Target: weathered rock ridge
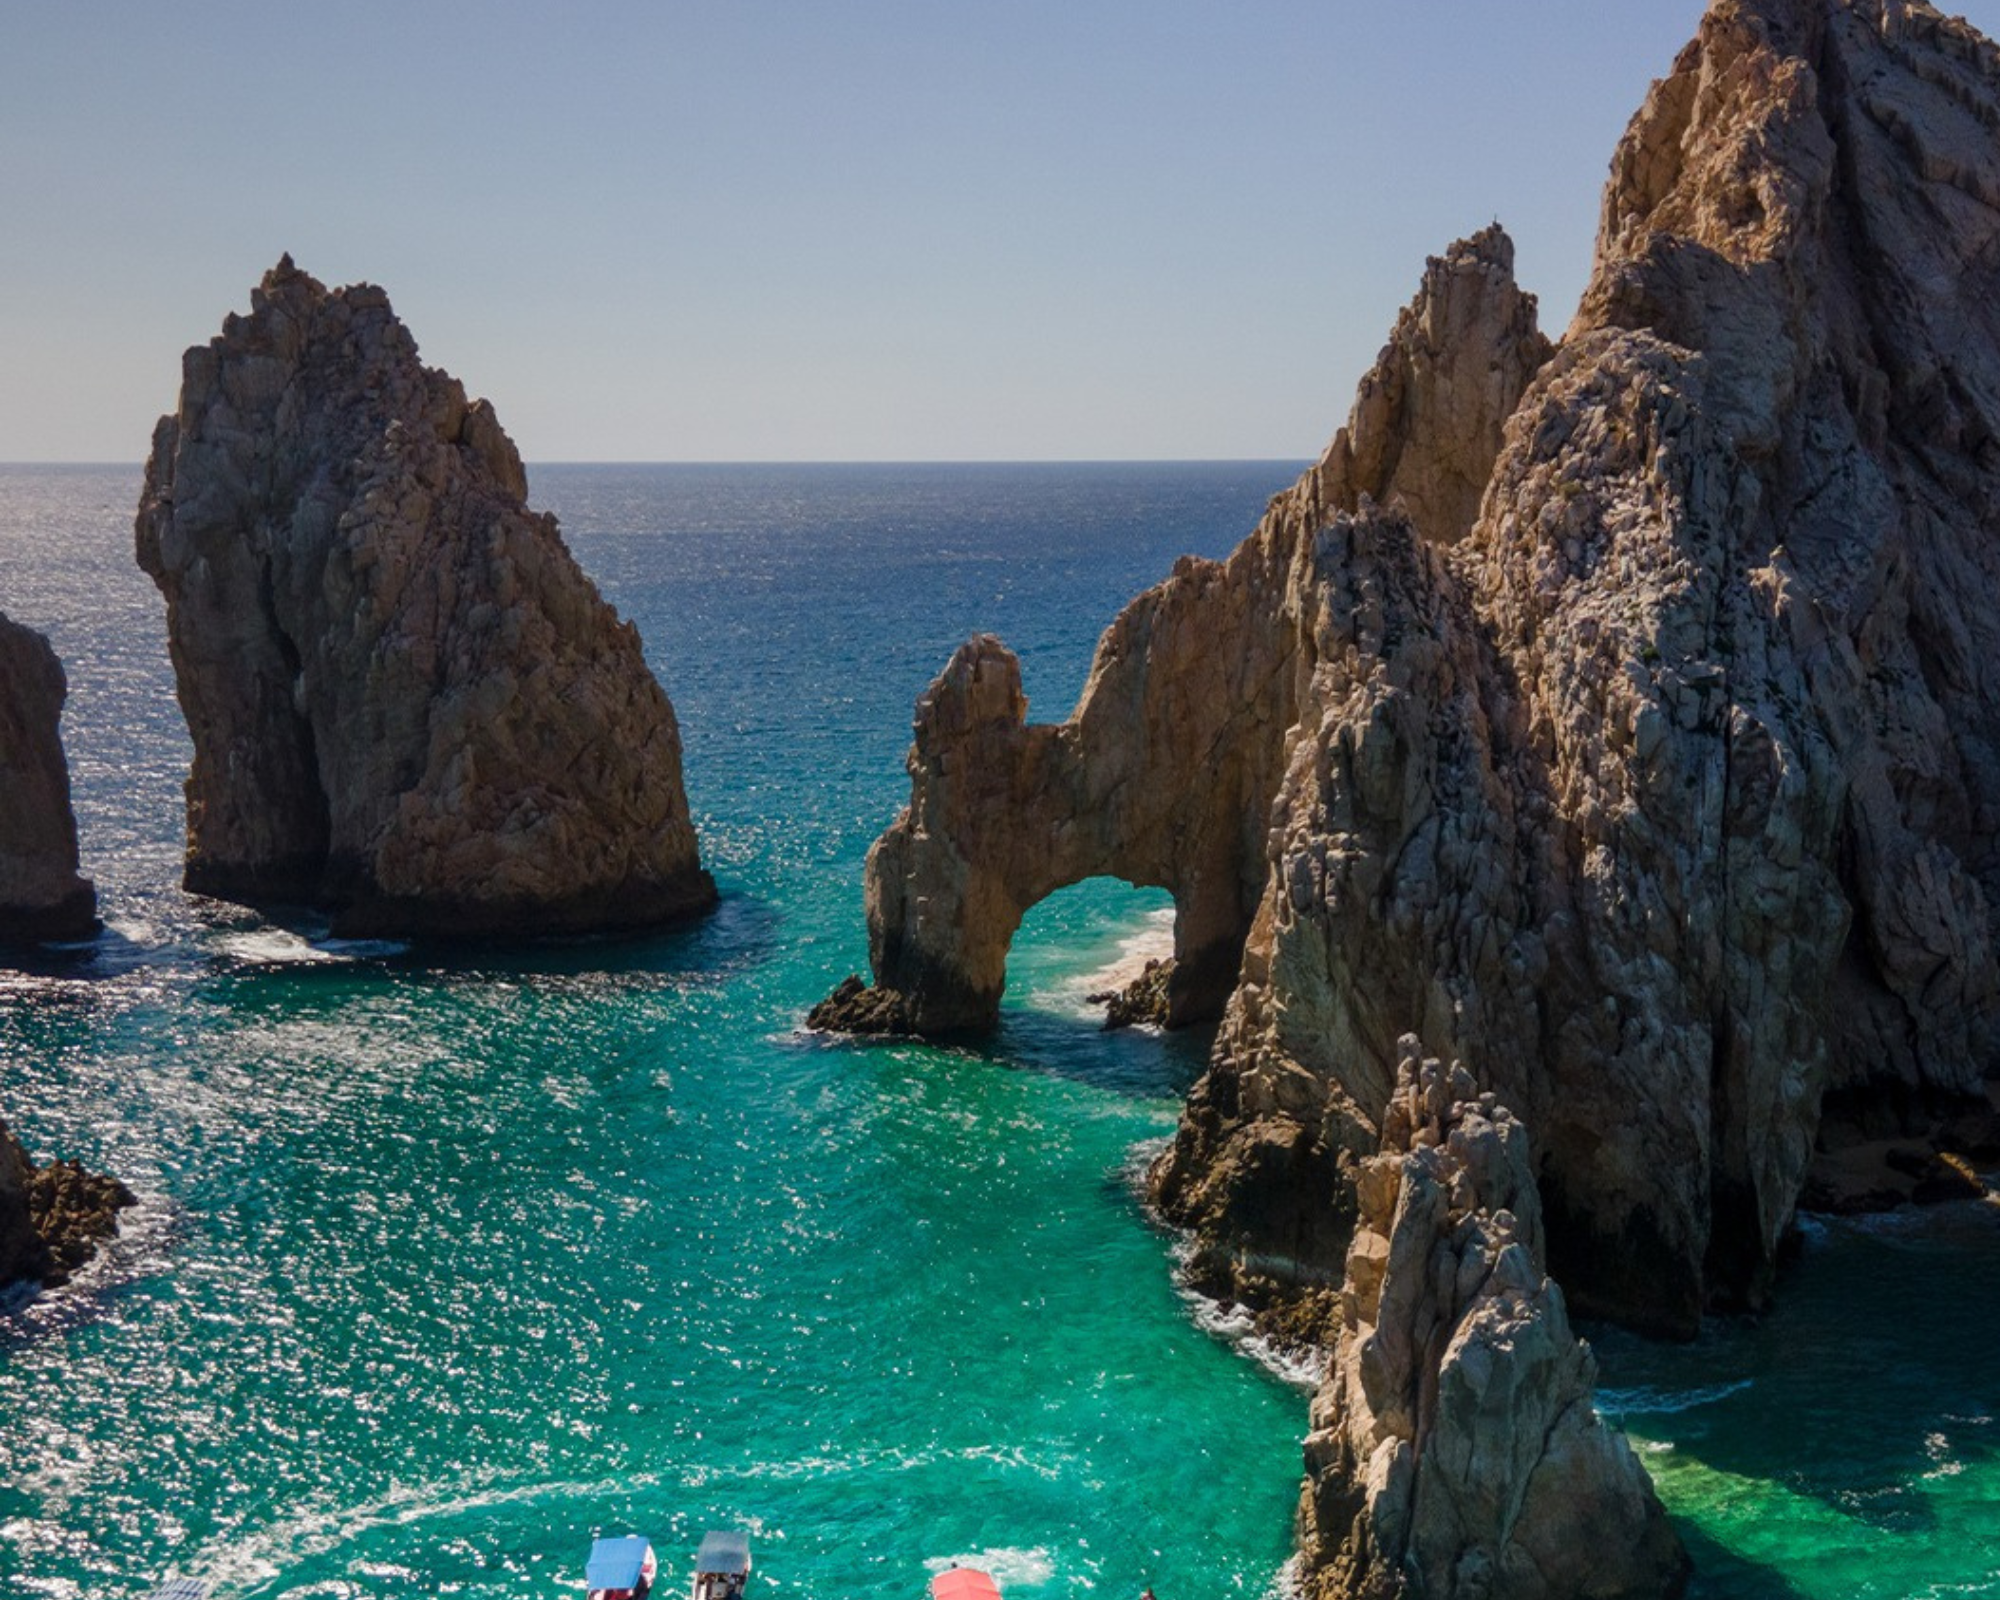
[(1455, 1449), (408, 704), (52, 1218), (1620, 720), (41, 894), (1163, 774)]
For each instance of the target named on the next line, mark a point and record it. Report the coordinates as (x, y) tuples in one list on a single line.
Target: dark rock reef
[(41, 895), (1619, 719), (408, 704), (52, 1218)]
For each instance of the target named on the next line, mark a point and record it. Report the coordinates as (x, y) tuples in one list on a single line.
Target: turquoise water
[(448, 1264), (1844, 1447)]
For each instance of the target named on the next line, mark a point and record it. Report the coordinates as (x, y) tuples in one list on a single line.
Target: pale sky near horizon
[(790, 230)]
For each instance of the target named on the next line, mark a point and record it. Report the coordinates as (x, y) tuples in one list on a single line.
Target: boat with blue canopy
[(722, 1566), (181, 1589), (620, 1569)]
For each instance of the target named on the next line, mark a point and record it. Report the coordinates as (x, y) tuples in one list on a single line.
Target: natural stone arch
[(949, 885), (1165, 772)]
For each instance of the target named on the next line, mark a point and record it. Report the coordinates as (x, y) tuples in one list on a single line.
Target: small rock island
[(409, 706), (52, 1217)]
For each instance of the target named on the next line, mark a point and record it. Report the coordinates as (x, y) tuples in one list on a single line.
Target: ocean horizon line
[(775, 461)]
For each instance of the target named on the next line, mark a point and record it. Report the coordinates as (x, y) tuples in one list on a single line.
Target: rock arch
[(1165, 772)]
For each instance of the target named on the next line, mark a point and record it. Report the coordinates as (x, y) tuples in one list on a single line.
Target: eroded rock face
[(1662, 788), (1164, 773), (407, 702), (52, 1218), (1737, 687), (41, 894), (1455, 1451)]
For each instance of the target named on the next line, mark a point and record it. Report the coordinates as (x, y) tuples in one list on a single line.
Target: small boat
[(964, 1583), (181, 1589), (620, 1569), (722, 1567)]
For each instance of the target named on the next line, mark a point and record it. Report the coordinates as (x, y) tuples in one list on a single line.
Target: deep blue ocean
[(447, 1263)]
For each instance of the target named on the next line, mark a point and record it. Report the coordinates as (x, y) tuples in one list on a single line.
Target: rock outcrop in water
[(52, 1218), (1655, 778), (41, 894), (408, 704), (1455, 1450)]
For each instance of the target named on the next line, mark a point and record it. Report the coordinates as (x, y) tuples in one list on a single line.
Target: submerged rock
[(52, 1218), (408, 704), (1455, 1451), (41, 894)]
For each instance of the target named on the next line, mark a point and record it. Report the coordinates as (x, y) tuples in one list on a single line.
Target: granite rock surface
[(408, 704), (1163, 775), (1656, 775), (1455, 1449)]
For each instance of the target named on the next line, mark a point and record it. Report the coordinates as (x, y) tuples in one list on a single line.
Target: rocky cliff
[(41, 895), (1655, 781), (408, 704), (1455, 1449), (1630, 737), (1163, 775)]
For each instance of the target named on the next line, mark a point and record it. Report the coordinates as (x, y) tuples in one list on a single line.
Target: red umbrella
[(964, 1583)]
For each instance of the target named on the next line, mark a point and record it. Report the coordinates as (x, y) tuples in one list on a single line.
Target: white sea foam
[(1302, 1368), (281, 947), (272, 947), (314, 1531), (1655, 1402), (1151, 940), (1010, 1566), (1233, 1325)]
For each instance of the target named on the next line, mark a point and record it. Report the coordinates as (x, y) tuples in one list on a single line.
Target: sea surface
[(449, 1261)]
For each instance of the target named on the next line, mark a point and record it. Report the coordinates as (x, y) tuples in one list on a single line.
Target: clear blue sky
[(802, 229)]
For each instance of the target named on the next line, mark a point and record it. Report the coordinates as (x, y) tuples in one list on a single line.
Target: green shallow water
[(448, 1263), (1845, 1445)]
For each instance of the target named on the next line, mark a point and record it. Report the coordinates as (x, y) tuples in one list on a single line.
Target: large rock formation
[(1164, 773), (1663, 787), (41, 894), (52, 1218), (1455, 1450), (407, 702)]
